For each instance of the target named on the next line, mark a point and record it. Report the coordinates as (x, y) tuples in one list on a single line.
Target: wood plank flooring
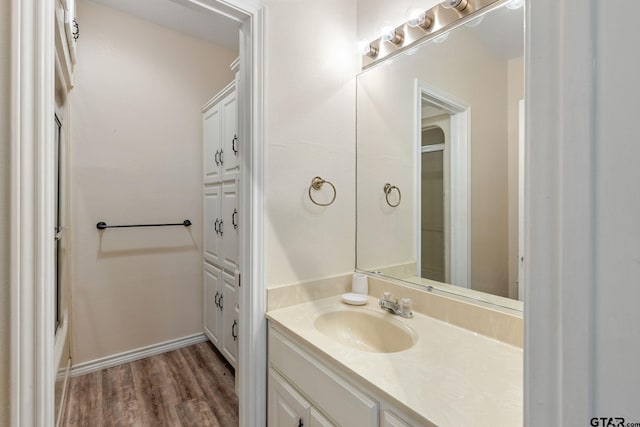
[(192, 386)]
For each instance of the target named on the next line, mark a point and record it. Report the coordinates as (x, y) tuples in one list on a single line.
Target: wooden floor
[(192, 386)]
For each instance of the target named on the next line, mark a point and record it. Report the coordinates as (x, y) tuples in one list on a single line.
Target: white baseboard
[(135, 354)]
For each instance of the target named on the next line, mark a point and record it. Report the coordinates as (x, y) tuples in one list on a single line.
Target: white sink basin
[(366, 330)]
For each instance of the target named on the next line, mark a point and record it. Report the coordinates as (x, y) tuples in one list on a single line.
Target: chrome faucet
[(400, 308)]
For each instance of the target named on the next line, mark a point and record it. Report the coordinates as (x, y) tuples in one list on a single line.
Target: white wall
[(311, 61), (136, 150), (5, 91)]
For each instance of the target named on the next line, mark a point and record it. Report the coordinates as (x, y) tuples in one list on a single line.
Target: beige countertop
[(450, 377)]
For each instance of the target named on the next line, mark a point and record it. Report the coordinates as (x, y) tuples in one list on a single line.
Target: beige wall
[(309, 130), (515, 94), (386, 128), (135, 158), (5, 51)]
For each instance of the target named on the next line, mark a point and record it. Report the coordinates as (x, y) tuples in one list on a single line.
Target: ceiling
[(219, 27)]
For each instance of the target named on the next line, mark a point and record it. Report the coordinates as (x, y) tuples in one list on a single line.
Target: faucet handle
[(386, 296), (406, 306)]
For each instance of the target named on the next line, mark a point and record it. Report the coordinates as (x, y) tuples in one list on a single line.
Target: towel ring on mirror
[(388, 188), (316, 184)]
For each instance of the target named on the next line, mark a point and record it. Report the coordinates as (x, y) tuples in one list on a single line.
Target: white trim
[(521, 204), (459, 222), (559, 351), (252, 351), (135, 354), (32, 220)]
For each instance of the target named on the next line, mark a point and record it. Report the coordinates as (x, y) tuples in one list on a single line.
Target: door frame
[(31, 264), (459, 169)]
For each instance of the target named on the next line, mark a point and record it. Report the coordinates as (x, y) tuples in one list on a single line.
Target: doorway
[(32, 329)]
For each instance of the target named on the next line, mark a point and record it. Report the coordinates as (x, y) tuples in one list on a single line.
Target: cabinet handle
[(76, 29), (217, 157), (221, 157), (220, 301), (233, 145), (234, 219), (300, 423), (233, 330), (220, 227), (216, 299), (215, 226)]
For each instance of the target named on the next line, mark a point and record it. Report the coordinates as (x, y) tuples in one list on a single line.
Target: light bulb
[(392, 36), (370, 51), (458, 5), (420, 19)]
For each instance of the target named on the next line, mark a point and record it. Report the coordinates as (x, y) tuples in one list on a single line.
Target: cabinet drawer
[(342, 402)]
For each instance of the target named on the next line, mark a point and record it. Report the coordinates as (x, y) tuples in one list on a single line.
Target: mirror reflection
[(440, 148)]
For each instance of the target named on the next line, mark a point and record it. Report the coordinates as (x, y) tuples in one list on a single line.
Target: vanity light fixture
[(423, 26), (393, 36), (458, 5)]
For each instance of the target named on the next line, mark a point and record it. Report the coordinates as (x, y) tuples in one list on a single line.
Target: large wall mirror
[(440, 148)]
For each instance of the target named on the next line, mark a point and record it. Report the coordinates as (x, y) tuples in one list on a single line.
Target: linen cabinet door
[(212, 137), (212, 294), (229, 305), (212, 228), (287, 408), (230, 142), (230, 226)]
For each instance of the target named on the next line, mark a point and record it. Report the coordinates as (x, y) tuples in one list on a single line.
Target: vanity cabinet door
[(319, 420), (212, 218), (212, 293), (389, 419), (229, 304), (287, 408)]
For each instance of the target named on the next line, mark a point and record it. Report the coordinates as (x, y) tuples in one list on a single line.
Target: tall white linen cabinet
[(221, 175)]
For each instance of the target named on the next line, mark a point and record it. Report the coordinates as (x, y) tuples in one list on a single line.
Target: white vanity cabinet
[(304, 390), (221, 219)]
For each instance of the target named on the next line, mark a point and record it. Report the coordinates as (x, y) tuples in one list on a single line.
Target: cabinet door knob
[(217, 156), (233, 330), (220, 302), (221, 157), (220, 227), (234, 219), (216, 299), (234, 141), (215, 226)]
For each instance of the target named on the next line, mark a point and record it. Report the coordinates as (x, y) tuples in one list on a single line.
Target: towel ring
[(388, 188), (316, 184)]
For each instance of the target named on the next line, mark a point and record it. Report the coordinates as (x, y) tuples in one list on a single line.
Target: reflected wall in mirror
[(443, 123)]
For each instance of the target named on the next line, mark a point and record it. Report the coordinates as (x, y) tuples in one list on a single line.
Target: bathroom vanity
[(333, 364)]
